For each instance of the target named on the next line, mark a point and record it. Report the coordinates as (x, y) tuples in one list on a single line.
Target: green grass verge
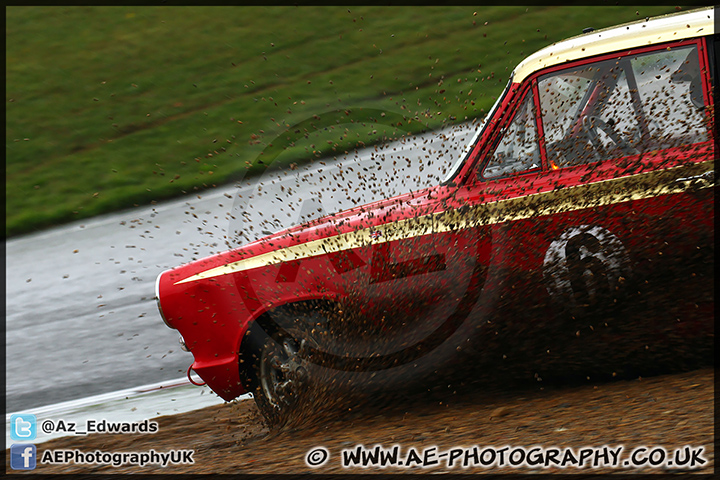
[(111, 107)]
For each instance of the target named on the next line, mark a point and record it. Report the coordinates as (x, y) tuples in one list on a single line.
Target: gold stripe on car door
[(591, 195)]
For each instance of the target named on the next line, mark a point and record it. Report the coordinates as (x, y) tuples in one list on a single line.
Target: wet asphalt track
[(81, 317)]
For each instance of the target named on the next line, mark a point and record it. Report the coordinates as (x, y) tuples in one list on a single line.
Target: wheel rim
[(282, 373)]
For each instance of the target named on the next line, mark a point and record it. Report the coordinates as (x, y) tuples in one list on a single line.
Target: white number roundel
[(584, 267)]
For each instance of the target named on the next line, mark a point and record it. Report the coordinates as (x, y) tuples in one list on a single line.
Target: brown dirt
[(671, 411)]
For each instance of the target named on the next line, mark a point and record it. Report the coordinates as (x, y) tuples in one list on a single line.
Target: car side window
[(670, 89), (622, 106), (518, 149), (588, 114)]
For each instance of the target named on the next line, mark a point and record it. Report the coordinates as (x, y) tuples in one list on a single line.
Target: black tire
[(256, 349), (275, 366)]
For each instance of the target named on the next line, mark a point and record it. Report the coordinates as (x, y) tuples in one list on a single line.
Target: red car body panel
[(385, 249)]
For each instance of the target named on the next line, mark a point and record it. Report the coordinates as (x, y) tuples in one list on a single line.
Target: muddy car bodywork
[(590, 183)]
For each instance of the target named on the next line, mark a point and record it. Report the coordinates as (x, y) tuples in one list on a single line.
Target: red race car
[(583, 207)]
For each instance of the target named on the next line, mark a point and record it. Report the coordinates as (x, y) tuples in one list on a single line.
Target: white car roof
[(666, 28)]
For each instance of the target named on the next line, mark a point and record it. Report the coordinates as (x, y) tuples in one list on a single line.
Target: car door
[(634, 151), (499, 195), (601, 207), (630, 258)]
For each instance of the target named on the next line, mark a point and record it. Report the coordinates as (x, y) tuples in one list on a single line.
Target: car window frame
[(487, 125), (495, 129), (625, 57), (481, 153), (501, 131)]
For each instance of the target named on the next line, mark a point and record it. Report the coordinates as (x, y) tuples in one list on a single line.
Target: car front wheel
[(276, 370), (282, 376)]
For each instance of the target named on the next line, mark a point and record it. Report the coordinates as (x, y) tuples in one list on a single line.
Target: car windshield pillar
[(471, 145)]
